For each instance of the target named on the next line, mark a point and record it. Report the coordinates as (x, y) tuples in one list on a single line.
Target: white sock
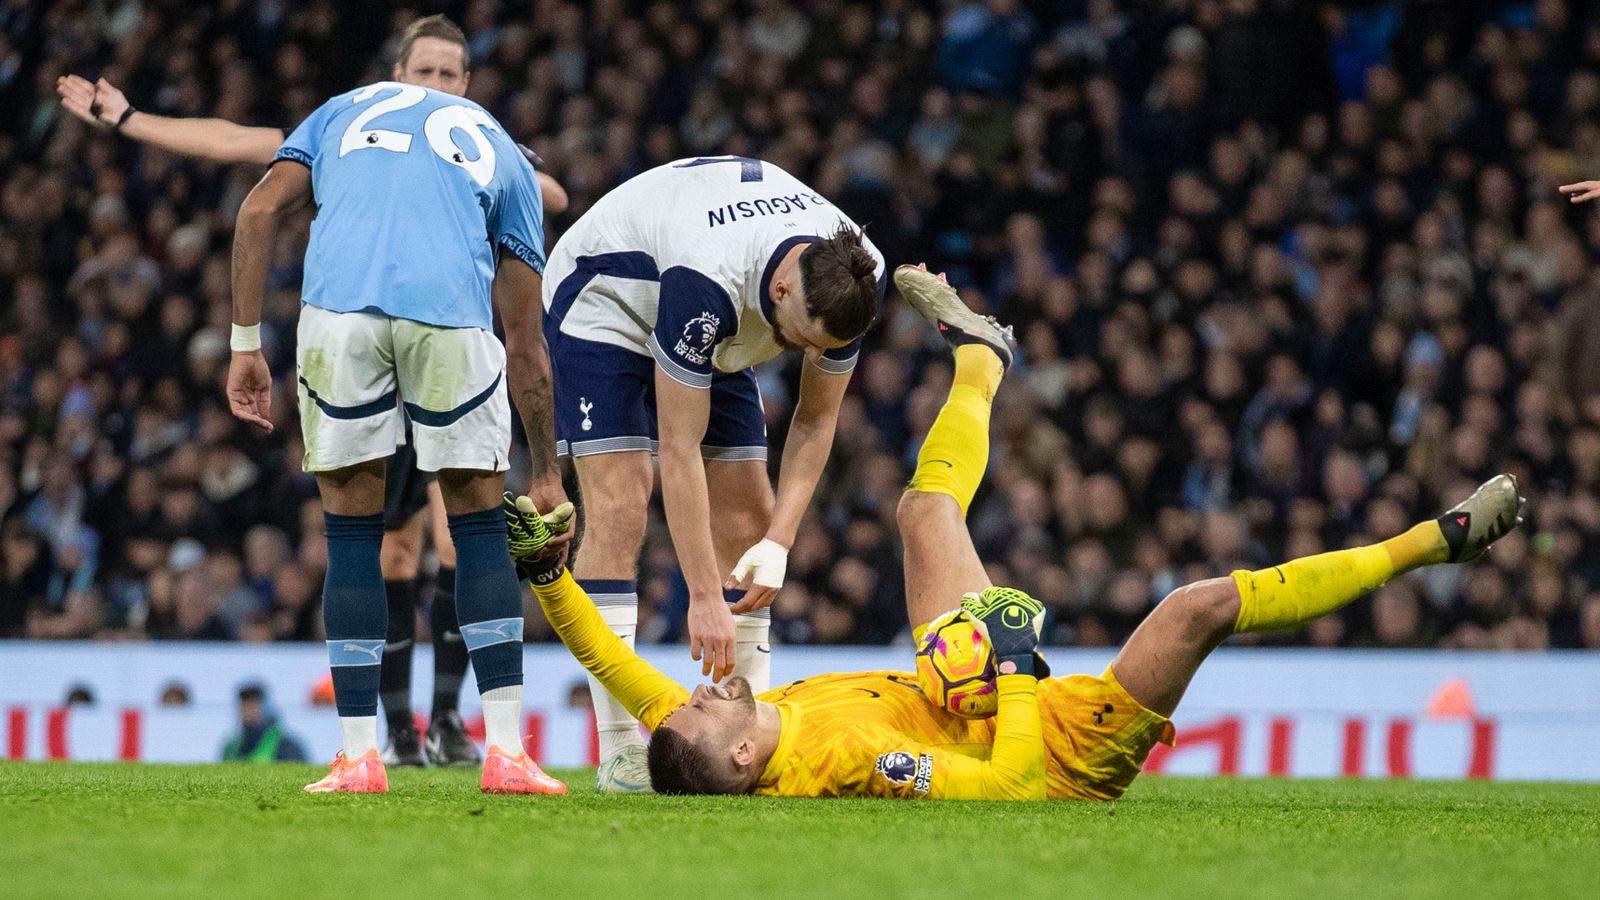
[(360, 735), (752, 654), (617, 728), (502, 718)]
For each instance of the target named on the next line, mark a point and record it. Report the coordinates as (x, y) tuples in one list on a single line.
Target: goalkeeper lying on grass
[(875, 734)]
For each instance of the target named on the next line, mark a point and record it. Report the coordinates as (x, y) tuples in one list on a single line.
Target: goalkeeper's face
[(716, 711), (710, 744)]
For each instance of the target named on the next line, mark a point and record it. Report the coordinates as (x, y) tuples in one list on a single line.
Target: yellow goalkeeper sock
[(956, 451), (1422, 545), (1297, 592)]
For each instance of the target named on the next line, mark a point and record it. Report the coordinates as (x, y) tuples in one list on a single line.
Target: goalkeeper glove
[(1012, 621), (528, 534)]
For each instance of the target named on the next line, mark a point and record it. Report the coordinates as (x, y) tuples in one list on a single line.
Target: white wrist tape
[(245, 338), (767, 561)]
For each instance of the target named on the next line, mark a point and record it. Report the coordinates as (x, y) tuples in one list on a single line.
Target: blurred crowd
[(1287, 277)]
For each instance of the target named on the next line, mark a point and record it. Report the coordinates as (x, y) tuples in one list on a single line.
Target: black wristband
[(541, 571), (123, 119)]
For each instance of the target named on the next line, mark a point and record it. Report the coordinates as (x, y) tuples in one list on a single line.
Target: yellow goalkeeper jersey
[(874, 734), (843, 735)]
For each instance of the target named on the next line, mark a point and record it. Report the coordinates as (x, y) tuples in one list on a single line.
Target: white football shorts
[(361, 376)]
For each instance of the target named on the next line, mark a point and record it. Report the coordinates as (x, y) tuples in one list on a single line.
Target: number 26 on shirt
[(436, 128)]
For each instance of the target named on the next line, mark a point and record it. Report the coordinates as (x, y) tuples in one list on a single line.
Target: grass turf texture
[(77, 830)]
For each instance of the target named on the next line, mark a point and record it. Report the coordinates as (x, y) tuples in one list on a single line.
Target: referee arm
[(102, 105)]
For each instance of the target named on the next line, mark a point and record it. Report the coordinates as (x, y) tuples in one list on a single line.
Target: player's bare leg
[(1158, 661), (439, 527), (489, 606), (401, 556), (744, 506), (743, 514), (354, 490), (614, 489), (355, 617), (446, 742), (940, 561)]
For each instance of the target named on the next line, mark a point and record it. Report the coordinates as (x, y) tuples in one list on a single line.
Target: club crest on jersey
[(699, 333)]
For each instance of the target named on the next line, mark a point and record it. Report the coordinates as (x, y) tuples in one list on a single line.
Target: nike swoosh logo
[(942, 463), (624, 636), (763, 648), (1281, 579), (875, 694)]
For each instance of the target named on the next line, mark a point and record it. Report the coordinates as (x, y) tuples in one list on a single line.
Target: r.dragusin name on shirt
[(767, 206)]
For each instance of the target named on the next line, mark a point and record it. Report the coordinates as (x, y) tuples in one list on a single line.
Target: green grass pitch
[(128, 831)]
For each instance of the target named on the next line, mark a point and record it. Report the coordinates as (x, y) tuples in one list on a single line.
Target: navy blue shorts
[(606, 403)]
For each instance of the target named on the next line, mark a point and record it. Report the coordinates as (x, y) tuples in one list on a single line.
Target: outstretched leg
[(940, 562), (1158, 661)]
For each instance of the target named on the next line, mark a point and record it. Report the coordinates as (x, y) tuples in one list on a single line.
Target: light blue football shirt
[(415, 190)]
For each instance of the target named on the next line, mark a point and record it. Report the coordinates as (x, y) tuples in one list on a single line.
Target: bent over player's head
[(709, 745), (838, 295), (433, 54)]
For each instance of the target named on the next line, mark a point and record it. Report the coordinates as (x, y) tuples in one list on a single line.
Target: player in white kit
[(657, 303)]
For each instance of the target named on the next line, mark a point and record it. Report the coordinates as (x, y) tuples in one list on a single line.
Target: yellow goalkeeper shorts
[(1096, 736)]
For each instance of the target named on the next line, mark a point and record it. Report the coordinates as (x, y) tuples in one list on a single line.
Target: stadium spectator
[(260, 739), (1284, 274), (174, 694)]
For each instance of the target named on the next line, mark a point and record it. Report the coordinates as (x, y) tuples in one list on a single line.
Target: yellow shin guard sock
[(979, 367), (956, 451), (1422, 545), (1296, 592)]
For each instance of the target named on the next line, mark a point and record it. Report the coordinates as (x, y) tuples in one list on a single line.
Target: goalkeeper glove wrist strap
[(1018, 665), (540, 572)]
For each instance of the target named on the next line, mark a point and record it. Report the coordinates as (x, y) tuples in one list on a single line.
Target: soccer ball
[(955, 667)]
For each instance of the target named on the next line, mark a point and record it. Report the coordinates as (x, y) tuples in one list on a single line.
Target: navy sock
[(394, 684), (355, 614), (449, 650), (488, 598)]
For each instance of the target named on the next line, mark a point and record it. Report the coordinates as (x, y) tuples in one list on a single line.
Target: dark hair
[(840, 281), (432, 27), (679, 766)]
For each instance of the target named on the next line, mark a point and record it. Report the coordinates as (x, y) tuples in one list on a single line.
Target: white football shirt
[(674, 263)]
